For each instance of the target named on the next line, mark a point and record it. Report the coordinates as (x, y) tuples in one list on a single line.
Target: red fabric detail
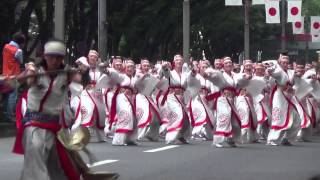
[(251, 123), (126, 131), (158, 97), (222, 133), (213, 96), (274, 89), (165, 96), (148, 119), (181, 121), (106, 98), (191, 113), (264, 114), (288, 115), (232, 89), (305, 116), (154, 109), (68, 168), (45, 97), (19, 115), (313, 115), (234, 113)]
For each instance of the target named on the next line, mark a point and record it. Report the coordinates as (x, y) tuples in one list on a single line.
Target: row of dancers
[(183, 100)]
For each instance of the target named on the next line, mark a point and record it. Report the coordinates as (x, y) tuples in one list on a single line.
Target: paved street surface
[(196, 161)]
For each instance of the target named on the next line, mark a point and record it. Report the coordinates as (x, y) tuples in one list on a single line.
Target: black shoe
[(183, 140)]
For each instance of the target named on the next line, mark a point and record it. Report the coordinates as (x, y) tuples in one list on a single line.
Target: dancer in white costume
[(313, 100), (308, 104), (92, 102), (260, 103), (227, 120), (147, 112), (178, 126), (300, 101), (36, 138), (122, 113), (109, 92), (245, 109), (285, 121), (199, 112)]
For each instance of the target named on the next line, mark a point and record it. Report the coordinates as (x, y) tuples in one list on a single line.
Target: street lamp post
[(59, 19), (246, 29), (186, 29), (283, 25), (102, 29)]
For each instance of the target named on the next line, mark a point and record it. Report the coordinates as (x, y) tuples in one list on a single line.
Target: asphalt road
[(196, 161)]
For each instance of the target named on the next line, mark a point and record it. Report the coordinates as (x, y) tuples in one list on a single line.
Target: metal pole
[(186, 29), (283, 25), (59, 19), (102, 29), (247, 29)]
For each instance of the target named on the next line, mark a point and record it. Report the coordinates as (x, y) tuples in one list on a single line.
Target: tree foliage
[(143, 28)]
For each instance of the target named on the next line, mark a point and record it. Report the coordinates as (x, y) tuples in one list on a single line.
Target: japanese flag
[(298, 26), (294, 10), (233, 2), (315, 38), (315, 25), (258, 2), (272, 11)]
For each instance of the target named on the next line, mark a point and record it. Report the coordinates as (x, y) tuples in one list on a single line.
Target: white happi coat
[(313, 99), (91, 103), (147, 113), (175, 107), (199, 112), (124, 117), (47, 97), (284, 111), (227, 119)]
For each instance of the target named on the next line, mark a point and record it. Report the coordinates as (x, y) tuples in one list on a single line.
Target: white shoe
[(219, 145), (271, 143)]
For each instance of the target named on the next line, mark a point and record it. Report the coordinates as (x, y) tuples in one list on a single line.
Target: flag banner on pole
[(233, 2), (315, 38), (272, 11), (258, 2), (315, 25), (294, 10), (298, 26)]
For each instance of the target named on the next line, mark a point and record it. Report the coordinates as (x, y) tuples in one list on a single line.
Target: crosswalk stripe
[(162, 149), (99, 163)]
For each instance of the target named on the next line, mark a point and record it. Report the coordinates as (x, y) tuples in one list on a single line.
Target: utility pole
[(186, 29), (306, 57), (102, 29), (246, 29), (59, 19), (283, 25)]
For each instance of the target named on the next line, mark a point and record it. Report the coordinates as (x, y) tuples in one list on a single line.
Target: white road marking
[(162, 149), (99, 163)]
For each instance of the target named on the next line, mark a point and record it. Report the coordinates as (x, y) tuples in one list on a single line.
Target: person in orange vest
[(11, 62)]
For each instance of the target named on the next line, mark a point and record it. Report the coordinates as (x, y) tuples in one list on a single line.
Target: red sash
[(70, 171)]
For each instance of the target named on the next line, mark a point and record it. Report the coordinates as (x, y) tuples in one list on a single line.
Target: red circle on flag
[(316, 25), (272, 11), (297, 24), (294, 11)]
